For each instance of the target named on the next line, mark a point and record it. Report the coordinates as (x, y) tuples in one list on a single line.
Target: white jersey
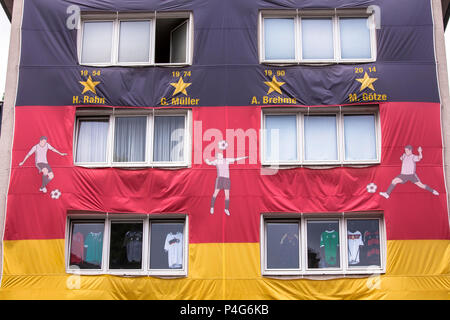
[(174, 248), (354, 240), (40, 153)]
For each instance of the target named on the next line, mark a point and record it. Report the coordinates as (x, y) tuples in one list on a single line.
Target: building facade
[(225, 150)]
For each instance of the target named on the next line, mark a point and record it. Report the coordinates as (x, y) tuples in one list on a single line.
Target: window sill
[(133, 166), (316, 62), (324, 275), (137, 64), (319, 164), (123, 273)]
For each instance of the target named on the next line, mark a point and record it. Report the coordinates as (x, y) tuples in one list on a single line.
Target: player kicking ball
[(408, 172), (40, 154)]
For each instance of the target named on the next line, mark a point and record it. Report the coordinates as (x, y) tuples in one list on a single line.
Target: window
[(86, 244), (320, 136), (127, 244), (166, 245), (317, 36), (135, 39), (283, 245), (124, 138), (313, 244)]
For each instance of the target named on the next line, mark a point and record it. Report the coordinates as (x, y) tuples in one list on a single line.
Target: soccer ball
[(371, 187), (55, 194), (223, 145)]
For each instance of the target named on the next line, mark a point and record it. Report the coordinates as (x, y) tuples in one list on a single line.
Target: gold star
[(180, 86), (274, 85), (366, 82), (89, 85)]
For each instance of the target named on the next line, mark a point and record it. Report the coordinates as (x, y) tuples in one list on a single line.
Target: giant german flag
[(228, 90)]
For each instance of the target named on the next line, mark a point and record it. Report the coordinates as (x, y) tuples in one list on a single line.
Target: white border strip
[(440, 110), (13, 128)]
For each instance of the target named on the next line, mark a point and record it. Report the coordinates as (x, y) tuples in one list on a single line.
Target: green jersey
[(330, 240)]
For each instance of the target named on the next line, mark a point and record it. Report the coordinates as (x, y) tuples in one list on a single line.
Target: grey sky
[(5, 27)]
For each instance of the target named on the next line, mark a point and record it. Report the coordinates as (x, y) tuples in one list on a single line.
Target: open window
[(171, 41), (133, 39)]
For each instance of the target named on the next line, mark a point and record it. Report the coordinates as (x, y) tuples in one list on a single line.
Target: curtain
[(281, 137), (97, 42), (168, 143), (92, 140), (359, 137), (129, 139), (279, 39), (317, 39), (355, 38), (134, 41), (320, 138)]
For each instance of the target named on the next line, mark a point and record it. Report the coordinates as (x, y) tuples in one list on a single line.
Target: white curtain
[(97, 42), (317, 39), (129, 139), (360, 137), (168, 143), (92, 140), (355, 38), (134, 41), (279, 39), (320, 138), (281, 137)]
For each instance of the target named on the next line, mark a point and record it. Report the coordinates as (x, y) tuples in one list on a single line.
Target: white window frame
[(339, 112), (342, 218), (274, 15), (150, 114), (163, 272), (285, 272), (124, 17), (108, 219), (335, 15)]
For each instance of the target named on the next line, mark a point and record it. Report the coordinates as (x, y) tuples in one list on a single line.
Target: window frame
[(284, 15), (335, 16), (302, 219), (118, 271), (116, 18), (108, 219), (340, 113), (280, 271), (76, 135), (150, 134), (162, 272), (187, 40)]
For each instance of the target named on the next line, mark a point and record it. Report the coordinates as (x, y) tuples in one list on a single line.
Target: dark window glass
[(282, 246), (171, 40), (126, 245), (323, 244), (363, 242), (86, 244), (166, 245)]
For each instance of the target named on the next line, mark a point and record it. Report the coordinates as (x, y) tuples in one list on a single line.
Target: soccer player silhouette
[(40, 151), (408, 172), (223, 176)]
